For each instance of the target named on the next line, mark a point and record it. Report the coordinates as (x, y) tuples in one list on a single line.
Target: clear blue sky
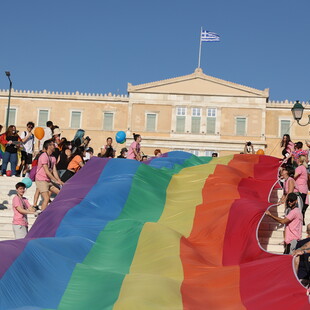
[(99, 46)]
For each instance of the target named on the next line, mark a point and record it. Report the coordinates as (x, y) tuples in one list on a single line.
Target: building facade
[(196, 113)]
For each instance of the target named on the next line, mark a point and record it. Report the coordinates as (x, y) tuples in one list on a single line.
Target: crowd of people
[(58, 159), (51, 163), (295, 175)]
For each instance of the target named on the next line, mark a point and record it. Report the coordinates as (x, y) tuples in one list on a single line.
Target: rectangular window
[(196, 113), (285, 127), (180, 120), (43, 118), (12, 117), (181, 111), (151, 122), (211, 112), (195, 152), (76, 119), (211, 121), (108, 121), (240, 126), (209, 153)]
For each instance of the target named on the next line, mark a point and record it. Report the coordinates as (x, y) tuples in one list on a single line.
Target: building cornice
[(62, 95), (285, 104)]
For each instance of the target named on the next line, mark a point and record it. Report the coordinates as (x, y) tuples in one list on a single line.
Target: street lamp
[(297, 111), (8, 74)]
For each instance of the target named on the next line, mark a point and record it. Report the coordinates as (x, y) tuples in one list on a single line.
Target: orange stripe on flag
[(207, 283)]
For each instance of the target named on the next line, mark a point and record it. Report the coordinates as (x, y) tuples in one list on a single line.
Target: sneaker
[(13, 176), (5, 175)]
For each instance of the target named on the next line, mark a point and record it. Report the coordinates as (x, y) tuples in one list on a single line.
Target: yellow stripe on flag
[(156, 273)]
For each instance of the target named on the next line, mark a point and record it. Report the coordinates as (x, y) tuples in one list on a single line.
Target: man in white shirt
[(48, 134), (27, 149)]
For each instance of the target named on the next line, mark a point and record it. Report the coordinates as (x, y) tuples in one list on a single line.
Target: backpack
[(33, 171)]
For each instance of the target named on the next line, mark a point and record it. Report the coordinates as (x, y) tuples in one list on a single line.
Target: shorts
[(27, 157), (20, 231), (43, 186)]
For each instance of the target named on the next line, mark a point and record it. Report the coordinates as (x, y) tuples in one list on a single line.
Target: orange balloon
[(260, 152), (39, 132)]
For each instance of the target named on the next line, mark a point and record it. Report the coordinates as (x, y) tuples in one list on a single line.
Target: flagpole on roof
[(199, 56), (206, 36)]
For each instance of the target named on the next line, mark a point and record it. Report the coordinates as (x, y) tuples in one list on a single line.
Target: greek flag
[(208, 36)]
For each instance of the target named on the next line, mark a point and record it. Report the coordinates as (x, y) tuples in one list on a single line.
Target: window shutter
[(180, 126), (195, 124), (285, 127), (75, 119), (150, 122), (43, 118), (12, 116), (108, 121), (240, 126), (211, 121)]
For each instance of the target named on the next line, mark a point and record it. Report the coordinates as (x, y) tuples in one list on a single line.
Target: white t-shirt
[(28, 145), (87, 157), (47, 136)]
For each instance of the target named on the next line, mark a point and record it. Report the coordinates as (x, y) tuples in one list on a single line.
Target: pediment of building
[(198, 83)]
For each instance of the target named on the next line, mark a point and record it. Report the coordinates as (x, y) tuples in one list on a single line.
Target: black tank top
[(63, 161)]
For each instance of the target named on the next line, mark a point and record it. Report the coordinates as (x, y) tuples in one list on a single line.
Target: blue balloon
[(120, 137), (27, 182)]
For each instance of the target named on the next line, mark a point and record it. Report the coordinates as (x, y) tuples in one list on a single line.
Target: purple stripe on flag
[(44, 226)]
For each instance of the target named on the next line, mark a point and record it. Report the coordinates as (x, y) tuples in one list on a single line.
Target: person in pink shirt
[(301, 182), (293, 222), (288, 147), (47, 178), (134, 151), (21, 207), (298, 151), (289, 183)]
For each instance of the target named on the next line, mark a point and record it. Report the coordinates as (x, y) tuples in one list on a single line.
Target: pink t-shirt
[(293, 229), (134, 146), (290, 147), (286, 185), (302, 179), (18, 218), (45, 159)]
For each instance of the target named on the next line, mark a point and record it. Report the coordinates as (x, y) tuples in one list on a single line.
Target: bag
[(32, 173)]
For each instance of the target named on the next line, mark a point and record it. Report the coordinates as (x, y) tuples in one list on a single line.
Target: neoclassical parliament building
[(196, 113)]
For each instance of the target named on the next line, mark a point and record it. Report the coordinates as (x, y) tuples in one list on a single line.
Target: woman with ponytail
[(134, 149)]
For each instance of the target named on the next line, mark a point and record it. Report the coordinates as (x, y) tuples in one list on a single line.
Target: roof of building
[(198, 83)]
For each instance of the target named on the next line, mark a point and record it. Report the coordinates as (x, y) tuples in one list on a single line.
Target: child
[(21, 208)]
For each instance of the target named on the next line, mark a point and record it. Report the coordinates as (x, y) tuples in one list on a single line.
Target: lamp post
[(297, 111), (8, 74)]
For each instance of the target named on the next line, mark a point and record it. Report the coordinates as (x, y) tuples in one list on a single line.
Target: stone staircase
[(7, 192), (270, 233)]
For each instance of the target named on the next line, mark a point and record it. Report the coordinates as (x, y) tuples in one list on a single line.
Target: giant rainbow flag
[(177, 232)]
